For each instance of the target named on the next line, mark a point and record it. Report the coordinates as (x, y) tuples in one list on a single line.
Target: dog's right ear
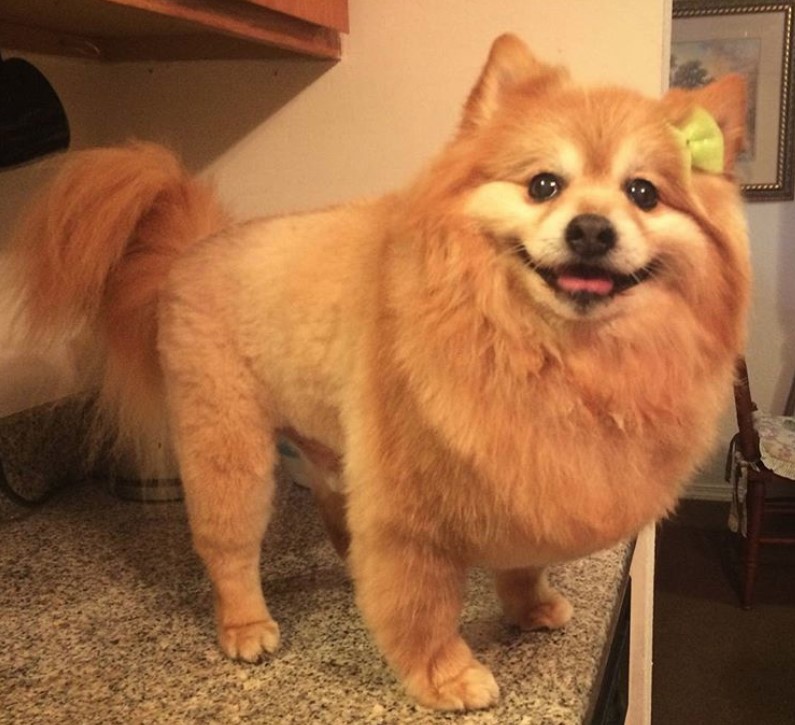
[(725, 99), (509, 65)]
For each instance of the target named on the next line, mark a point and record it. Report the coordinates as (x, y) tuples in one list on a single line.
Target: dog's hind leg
[(324, 470), (331, 505), (225, 441)]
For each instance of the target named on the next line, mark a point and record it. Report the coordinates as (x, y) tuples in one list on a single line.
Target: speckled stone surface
[(105, 617), (40, 449)]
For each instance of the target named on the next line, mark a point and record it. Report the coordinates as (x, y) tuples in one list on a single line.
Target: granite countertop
[(105, 617)]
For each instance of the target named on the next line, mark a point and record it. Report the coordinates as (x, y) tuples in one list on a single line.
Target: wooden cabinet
[(174, 29)]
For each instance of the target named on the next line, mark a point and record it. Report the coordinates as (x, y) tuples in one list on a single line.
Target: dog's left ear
[(510, 64), (725, 100)]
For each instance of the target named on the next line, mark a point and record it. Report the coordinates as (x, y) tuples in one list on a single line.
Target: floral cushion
[(777, 447), (777, 443)]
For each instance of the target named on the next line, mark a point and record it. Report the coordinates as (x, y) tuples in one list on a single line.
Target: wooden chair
[(761, 467)]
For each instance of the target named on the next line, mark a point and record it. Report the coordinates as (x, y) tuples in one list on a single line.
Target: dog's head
[(591, 197)]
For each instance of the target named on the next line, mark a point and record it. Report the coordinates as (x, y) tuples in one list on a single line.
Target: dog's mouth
[(584, 283)]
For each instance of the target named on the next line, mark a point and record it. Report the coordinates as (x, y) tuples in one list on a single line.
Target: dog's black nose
[(590, 235)]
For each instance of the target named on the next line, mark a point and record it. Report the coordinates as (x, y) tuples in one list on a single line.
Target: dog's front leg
[(529, 601), (411, 596)]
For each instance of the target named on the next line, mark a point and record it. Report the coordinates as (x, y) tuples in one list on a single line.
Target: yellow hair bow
[(702, 141)]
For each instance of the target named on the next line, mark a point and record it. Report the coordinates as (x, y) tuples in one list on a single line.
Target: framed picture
[(715, 37)]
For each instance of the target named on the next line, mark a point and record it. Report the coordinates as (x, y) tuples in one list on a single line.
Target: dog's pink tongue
[(594, 285)]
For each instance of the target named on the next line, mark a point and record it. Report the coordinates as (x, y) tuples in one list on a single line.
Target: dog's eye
[(544, 186), (642, 193)]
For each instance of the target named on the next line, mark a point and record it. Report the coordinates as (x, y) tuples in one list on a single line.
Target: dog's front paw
[(553, 612), (250, 641), (473, 688), (529, 601)]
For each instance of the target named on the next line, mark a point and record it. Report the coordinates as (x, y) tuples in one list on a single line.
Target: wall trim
[(709, 491)]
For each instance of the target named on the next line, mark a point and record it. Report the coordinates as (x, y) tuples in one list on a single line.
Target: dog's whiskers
[(650, 271), (513, 247)]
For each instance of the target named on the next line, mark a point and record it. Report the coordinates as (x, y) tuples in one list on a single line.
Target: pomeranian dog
[(517, 360)]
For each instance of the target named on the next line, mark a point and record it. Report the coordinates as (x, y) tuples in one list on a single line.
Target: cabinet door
[(281, 24), (174, 29), (327, 13)]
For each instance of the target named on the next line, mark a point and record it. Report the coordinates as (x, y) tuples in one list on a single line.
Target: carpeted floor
[(715, 663)]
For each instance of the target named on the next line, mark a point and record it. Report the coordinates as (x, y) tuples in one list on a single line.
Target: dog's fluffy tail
[(92, 254)]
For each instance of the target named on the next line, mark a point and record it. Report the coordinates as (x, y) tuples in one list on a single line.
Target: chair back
[(747, 437), (753, 501)]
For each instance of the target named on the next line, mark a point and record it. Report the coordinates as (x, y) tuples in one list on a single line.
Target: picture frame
[(714, 37)]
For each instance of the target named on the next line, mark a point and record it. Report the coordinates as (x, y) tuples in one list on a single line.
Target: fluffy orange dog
[(517, 360)]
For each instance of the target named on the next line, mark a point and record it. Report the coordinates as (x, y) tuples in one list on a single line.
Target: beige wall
[(285, 135), (772, 329)]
